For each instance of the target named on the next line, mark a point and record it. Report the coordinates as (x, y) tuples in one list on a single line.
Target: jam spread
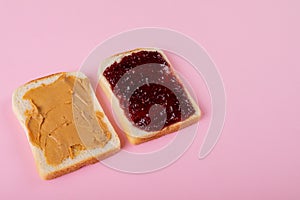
[(148, 91)]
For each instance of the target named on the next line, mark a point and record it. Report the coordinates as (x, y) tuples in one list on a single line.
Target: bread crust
[(66, 170), (85, 157), (44, 77), (125, 123), (70, 169)]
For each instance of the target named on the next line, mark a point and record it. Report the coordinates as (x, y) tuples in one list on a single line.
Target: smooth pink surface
[(255, 45)]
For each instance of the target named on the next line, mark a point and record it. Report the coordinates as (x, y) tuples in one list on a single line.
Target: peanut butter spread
[(62, 121)]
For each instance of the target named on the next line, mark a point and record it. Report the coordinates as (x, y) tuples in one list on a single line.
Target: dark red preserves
[(148, 91)]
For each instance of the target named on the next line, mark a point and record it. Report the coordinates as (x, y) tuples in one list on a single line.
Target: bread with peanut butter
[(64, 123), (148, 97)]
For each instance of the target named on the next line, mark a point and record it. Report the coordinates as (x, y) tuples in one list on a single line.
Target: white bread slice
[(68, 165), (134, 134)]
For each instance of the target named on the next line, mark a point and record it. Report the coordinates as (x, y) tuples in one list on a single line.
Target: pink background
[(255, 45)]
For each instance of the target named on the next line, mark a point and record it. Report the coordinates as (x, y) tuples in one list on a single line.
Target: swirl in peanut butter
[(60, 111)]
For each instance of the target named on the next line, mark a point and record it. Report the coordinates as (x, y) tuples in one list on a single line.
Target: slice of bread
[(134, 134), (85, 157)]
